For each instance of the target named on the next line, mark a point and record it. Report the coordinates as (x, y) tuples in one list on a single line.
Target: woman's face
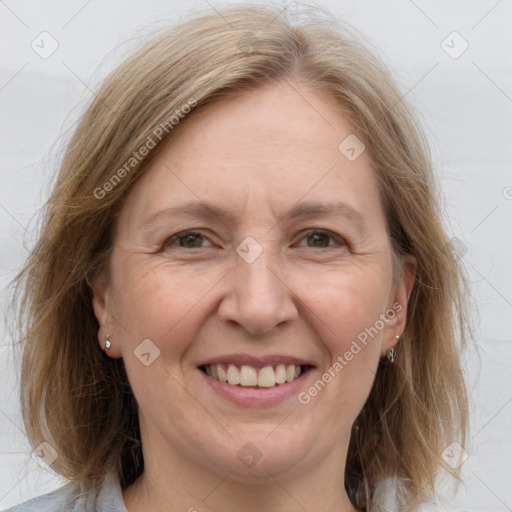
[(286, 269)]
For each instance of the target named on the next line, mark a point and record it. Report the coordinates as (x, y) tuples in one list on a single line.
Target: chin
[(257, 458)]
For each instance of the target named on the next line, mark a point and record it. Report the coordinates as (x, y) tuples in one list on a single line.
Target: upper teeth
[(265, 377)]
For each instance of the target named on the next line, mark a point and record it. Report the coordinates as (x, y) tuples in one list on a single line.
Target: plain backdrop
[(453, 62)]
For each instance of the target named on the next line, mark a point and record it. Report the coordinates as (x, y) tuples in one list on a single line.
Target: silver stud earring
[(107, 343)]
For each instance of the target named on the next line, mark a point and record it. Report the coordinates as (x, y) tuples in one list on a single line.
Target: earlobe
[(403, 290), (100, 303)]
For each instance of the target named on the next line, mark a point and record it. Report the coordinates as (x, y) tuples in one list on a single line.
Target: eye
[(320, 239), (195, 240), (186, 240)]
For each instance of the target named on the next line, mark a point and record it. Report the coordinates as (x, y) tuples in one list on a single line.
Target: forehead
[(283, 119), (271, 147)]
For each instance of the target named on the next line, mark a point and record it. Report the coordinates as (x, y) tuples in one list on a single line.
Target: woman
[(242, 297)]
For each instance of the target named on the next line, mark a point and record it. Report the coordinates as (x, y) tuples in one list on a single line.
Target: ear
[(100, 303), (402, 292)]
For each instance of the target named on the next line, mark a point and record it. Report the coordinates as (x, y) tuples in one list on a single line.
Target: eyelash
[(184, 234)]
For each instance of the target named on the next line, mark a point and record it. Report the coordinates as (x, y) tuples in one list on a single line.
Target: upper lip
[(256, 362)]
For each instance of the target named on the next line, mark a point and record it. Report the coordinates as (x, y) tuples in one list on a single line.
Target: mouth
[(250, 381), (255, 376)]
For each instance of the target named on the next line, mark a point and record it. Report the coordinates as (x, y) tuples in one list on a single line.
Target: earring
[(107, 343), (391, 353)]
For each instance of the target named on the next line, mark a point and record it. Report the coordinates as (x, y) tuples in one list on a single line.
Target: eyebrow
[(207, 211)]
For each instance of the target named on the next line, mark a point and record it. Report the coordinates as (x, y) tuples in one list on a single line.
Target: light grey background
[(465, 104)]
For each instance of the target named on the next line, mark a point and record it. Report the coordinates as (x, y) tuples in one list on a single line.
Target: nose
[(258, 299)]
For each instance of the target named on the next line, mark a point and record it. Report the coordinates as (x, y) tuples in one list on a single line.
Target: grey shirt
[(74, 498)]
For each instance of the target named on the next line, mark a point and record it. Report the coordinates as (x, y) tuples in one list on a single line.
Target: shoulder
[(391, 496), (59, 500), (76, 498)]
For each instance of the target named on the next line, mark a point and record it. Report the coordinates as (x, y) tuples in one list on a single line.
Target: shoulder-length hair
[(80, 401)]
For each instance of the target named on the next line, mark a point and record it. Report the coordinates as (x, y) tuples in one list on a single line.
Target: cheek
[(160, 304), (346, 308), (345, 305)]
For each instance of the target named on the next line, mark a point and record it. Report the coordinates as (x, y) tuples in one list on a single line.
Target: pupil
[(318, 238), (190, 240)]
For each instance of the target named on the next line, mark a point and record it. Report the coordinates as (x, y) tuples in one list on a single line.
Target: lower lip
[(257, 397)]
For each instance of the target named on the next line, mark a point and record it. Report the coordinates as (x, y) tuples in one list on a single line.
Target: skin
[(256, 156)]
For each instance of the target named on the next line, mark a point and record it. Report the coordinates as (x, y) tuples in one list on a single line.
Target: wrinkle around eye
[(338, 242)]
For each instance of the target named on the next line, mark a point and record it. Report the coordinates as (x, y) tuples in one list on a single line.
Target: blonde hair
[(80, 401)]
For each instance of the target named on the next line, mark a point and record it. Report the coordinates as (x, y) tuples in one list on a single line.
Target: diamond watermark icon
[(249, 250), (351, 147), (45, 455), (147, 352), (454, 45), (458, 247), (44, 45), (249, 455), (454, 455), (248, 43)]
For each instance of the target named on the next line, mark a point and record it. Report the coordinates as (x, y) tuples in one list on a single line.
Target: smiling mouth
[(249, 376)]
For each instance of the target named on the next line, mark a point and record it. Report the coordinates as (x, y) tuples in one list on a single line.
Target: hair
[(80, 401)]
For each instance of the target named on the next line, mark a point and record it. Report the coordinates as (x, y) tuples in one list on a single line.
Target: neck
[(180, 487)]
